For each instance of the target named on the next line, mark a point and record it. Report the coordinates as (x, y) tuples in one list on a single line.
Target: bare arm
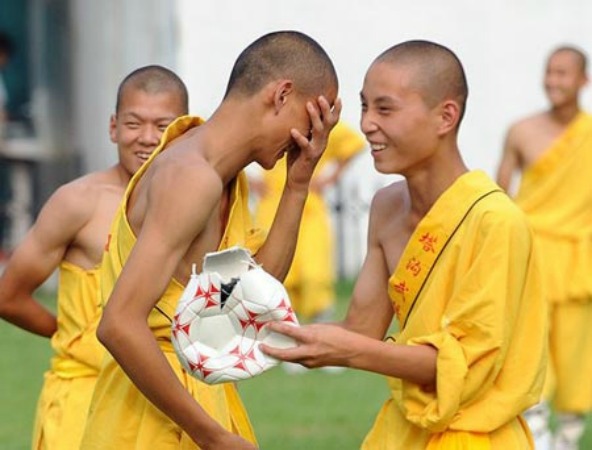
[(37, 257), (510, 162), (278, 251), (358, 342), (168, 229)]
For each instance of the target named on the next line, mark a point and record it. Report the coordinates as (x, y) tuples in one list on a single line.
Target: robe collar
[(430, 238)]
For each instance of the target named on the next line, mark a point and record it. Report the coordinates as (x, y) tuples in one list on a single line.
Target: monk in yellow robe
[(451, 258), (310, 281), (70, 235), (553, 152), (188, 200), (115, 395)]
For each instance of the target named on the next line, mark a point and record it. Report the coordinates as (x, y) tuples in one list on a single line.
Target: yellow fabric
[(120, 416), (556, 195), (571, 335), (69, 383), (468, 285), (459, 440), (312, 274)]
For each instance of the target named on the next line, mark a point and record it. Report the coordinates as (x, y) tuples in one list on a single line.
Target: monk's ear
[(283, 90), (113, 128), (449, 116)]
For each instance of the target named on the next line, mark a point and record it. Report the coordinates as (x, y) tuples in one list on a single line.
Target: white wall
[(503, 45), (110, 39)]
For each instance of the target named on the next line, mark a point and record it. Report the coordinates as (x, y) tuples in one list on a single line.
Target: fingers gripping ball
[(222, 315)]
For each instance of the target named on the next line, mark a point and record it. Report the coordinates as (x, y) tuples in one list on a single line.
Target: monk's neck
[(121, 176), (564, 114), (426, 188), (429, 181), (223, 148), (228, 139)]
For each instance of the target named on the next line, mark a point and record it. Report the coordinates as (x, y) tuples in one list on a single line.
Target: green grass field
[(313, 410)]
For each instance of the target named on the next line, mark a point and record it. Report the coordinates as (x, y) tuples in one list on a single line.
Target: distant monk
[(69, 237), (553, 150)]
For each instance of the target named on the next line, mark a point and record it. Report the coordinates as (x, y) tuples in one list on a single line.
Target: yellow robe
[(120, 416), (311, 277), (69, 383), (556, 195), (468, 285)]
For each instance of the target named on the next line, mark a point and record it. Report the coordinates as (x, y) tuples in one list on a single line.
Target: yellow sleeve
[(492, 337)]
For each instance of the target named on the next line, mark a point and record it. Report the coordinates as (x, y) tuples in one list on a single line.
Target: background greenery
[(313, 410)]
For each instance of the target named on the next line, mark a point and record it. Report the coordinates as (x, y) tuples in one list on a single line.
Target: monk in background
[(69, 236), (553, 152)]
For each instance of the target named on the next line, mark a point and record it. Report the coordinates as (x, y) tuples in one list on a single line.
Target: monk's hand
[(304, 156), (318, 345)]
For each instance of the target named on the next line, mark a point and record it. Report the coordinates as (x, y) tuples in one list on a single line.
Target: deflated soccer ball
[(222, 317)]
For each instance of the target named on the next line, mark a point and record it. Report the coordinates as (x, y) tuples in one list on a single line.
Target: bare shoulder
[(84, 193), (390, 200), (94, 183), (185, 168), (527, 125), (185, 174), (75, 198)]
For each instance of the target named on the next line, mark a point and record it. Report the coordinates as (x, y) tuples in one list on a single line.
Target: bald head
[(579, 56), (154, 80), (284, 54), (438, 74)]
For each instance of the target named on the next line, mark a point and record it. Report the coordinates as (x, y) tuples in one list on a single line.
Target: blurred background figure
[(5, 53), (553, 152), (69, 238), (311, 280), (6, 49)]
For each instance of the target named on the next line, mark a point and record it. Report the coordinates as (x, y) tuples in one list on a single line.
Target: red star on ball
[(208, 295), (180, 327), (251, 321), (290, 316), (199, 366), (242, 357)]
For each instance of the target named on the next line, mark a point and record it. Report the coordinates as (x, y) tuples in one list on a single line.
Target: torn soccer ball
[(222, 317)]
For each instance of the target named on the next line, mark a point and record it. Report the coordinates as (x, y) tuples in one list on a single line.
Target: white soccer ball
[(222, 317)]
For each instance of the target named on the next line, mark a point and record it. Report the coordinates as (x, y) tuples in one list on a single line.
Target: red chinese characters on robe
[(428, 242), (414, 266)]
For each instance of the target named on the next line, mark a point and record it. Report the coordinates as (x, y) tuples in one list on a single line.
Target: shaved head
[(579, 55), (154, 80), (285, 54), (438, 74)]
